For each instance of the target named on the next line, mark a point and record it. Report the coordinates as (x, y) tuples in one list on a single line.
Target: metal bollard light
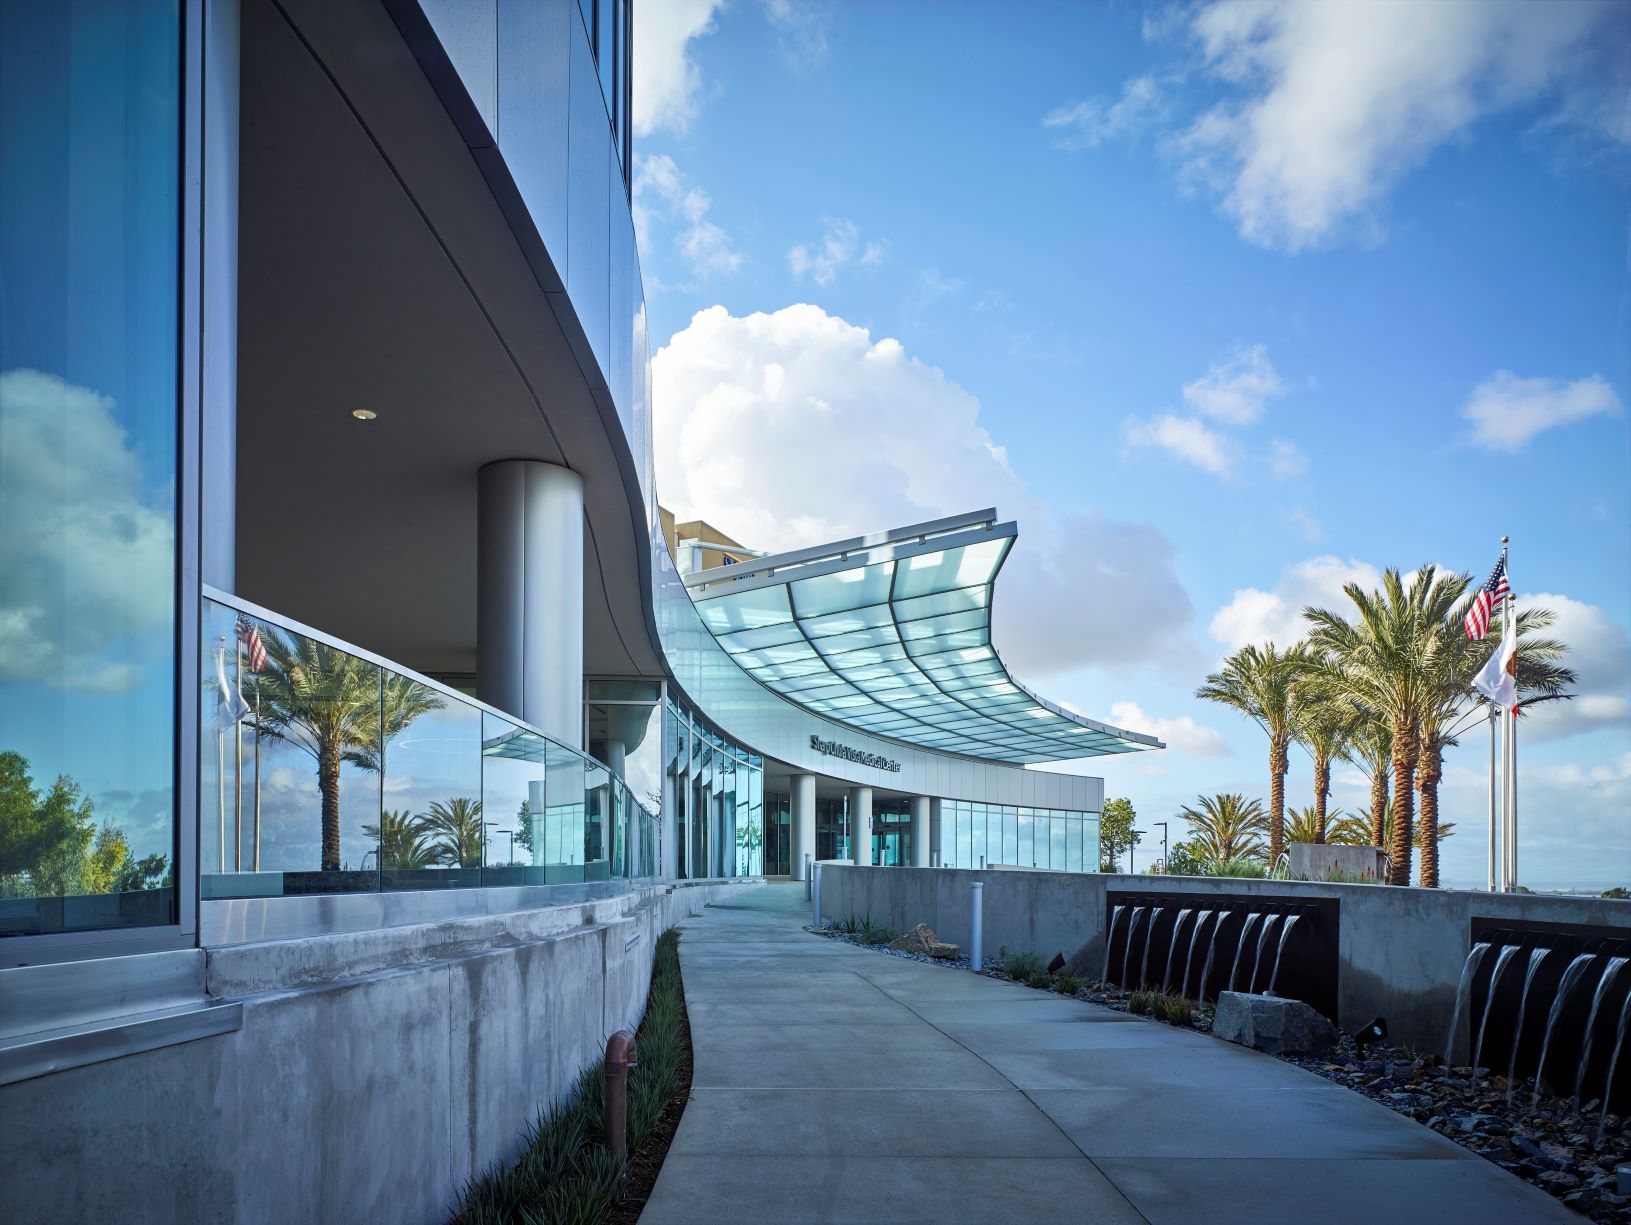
[(815, 896), (976, 903), (808, 884), (621, 1055)]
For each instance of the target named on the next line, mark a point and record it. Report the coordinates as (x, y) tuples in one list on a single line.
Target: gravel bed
[(1547, 1143)]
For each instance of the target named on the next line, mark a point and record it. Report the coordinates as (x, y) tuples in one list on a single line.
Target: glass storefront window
[(90, 156), (1025, 837)]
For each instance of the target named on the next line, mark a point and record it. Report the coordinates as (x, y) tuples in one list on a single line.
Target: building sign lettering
[(831, 748)]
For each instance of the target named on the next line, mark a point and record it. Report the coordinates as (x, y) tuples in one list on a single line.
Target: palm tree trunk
[(1404, 802), (328, 783), (1378, 804), (1278, 765), (1427, 782), (1322, 790)]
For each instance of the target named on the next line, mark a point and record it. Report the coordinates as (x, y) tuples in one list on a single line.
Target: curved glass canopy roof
[(891, 634)]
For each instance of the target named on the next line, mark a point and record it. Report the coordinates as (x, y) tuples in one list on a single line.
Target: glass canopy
[(891, 634)]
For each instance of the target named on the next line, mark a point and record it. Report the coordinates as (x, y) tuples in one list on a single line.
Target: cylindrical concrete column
[(802, 803), (218, 485), (937, 837), (920, 831), (529, 594), (672, 799), (860, 824)]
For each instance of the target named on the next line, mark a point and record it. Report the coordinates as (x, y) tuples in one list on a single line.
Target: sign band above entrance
[(831, 748)]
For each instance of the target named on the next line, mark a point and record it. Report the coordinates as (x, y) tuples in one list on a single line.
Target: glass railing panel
[(289, 762), (514, 802), (433, 830)]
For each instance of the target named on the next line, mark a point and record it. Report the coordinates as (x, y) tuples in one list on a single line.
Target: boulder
[(1271, 1024), (921, 939)]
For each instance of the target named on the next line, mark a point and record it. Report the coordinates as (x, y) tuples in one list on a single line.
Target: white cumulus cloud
[(1600, 654), (1235, 389), (1334, 102), (797, 427), (667, 82), (663, 195), (1506, 411), (840, 245), (1188, 438), (1257, 616), (1089, 123), (1181, 735)]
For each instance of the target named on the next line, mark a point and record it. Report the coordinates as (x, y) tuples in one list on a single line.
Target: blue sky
[(1226, 304)]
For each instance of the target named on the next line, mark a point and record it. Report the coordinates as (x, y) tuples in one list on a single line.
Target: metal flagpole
[(255, 861), (1492, 835), (1506, 781), (221, 760), (238, 753), (1512, 716)]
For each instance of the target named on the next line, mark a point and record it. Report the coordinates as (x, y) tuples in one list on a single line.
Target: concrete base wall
[(374, 1073), (1400, 953)]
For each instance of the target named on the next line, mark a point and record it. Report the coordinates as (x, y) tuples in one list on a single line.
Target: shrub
[(1019, 966), (1041, 980), (874, 933), (1165, 1006), (1067, 984)]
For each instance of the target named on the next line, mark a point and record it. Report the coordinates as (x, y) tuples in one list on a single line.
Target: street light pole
[(1163, 826)]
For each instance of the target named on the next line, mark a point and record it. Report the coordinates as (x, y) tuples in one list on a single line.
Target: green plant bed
[(566, 1175), (1165, 1006)]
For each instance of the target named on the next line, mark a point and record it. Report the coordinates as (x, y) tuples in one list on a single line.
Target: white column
[(670, 835), (920, 831), (802, 841), (937, 833), (529, 594), (860, 823)]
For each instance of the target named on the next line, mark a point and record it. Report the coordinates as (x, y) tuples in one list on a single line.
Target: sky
[(1226, 305)]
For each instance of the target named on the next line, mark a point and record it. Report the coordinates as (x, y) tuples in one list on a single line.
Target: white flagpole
[(238, 754), (1492, 835), (221, 765), (1512, 715)]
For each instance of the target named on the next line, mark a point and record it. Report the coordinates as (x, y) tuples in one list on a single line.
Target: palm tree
[(1349, 829), (1456, 705), (1226, 827), (1305, 824), (455, 830), (1371, 749), (1324, 728), (335, 707), (1383, 662), (401, 838), (1261, 683), (1445, 829)]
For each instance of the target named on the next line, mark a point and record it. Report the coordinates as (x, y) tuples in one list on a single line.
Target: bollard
[(815, 896), (621, 1055), (808, 884), (976, 902)]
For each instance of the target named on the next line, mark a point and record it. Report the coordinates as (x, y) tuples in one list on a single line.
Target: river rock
[(1271, 1024), (921, 939)]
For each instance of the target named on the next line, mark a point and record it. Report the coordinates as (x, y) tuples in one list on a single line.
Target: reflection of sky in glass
[(89, 114)]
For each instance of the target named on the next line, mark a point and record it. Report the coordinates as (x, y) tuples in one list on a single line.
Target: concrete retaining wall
[(374, 1072), (1400, 953)]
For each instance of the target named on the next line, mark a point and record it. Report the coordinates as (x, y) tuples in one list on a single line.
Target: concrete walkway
[(835, 1084)]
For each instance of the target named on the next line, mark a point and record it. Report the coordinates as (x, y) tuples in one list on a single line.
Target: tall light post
[(1163, 826)]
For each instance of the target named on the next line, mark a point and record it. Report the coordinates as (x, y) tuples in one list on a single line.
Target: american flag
[(1488, 599), (250, 637)]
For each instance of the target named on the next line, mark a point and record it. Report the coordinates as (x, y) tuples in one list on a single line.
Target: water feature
[(1262, 938), (1462, 991), (1274, 977), (1172, 943), (1536, 956), (1609, 974), (1110, 939), (1127, 951), (1571, 976), (1508, 951), (1211, 949), (1189, 957), (1613, 1063), (1245, 930), (1149, 938)]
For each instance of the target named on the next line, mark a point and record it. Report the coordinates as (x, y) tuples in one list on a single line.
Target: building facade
[(338, 621)]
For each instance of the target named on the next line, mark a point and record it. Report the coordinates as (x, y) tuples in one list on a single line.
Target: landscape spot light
[(364, 414)]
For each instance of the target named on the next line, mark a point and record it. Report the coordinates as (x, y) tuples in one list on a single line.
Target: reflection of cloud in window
[(86, 548)]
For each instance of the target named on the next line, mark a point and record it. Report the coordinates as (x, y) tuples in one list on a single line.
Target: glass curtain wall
[(90, 231), (974, 835), (717, 789), (323, 772)]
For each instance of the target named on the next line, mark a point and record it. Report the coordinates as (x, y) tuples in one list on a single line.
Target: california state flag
[(1497, 680)]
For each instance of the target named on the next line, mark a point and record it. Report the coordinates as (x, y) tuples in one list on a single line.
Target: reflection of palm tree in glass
[(334, 706), (402, 840), (455, 832)]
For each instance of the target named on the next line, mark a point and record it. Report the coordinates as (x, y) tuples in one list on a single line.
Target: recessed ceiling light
[(364, 414)]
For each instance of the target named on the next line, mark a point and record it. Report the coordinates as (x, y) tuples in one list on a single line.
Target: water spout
[(1211, 950), (1172, 943), (1189, 957), (1610, 972), (1291, 921), (1577, 967), (1613, 1062), (1149, 936), (1110, 939), (1463, 989), (1507, 952), (1127, 950), (1536, 956), (1245, 930), (1262, 938)]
